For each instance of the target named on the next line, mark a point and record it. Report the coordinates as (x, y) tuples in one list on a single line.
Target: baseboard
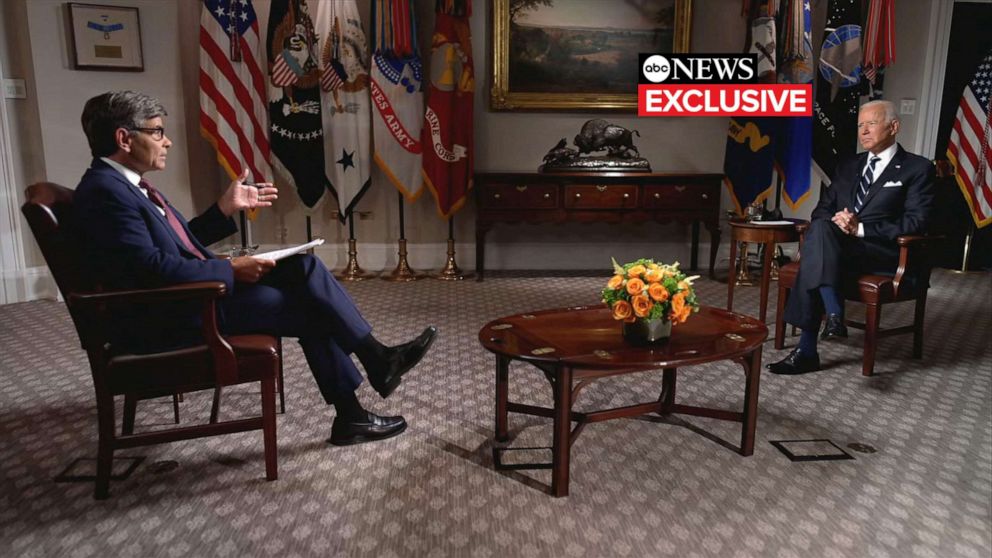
[(28, 284)]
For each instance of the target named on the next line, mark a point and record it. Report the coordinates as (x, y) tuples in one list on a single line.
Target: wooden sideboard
[(594, 197)]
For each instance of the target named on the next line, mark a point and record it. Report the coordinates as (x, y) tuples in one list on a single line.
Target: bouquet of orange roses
[(652, 291)]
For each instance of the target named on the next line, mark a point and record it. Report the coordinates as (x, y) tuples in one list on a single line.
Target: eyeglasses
[(156, 133)]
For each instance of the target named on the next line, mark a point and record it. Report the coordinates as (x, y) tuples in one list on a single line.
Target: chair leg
[(105, 446), (215, 408), (282, 383), (175, 407), (269, 428), (783, 295), (918, 318), (873, 315), (130, 409)]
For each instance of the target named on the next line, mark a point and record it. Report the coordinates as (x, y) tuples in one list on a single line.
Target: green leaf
[(617, 268)]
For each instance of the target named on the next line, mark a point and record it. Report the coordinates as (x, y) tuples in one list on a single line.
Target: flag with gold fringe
[(233, 110), (296, 132), (793, 136), (970, 146), (750, 153), (397, 96), (447, 132), (344, 97)]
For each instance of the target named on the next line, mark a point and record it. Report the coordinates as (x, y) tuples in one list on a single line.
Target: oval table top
[(587, 337)]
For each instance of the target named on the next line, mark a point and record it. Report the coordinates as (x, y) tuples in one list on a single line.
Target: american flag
[(233, 104), (969, 149)]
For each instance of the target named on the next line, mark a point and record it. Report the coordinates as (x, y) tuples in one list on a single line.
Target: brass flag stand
[(403, 272), (451, 272), (352, 271)]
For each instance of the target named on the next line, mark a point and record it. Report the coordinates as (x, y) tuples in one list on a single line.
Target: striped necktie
[(866, 181), (170, 216)]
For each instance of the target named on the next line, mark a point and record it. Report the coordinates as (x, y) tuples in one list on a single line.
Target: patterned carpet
[(639, 487)]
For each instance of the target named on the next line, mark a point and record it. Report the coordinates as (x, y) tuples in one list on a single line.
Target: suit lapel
[(891, 170), (144, 200)]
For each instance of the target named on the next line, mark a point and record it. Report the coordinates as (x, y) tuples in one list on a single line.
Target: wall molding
[(12, 261), (934, 69)]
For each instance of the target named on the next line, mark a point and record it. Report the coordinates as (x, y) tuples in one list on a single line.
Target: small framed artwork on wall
[(105, 37)]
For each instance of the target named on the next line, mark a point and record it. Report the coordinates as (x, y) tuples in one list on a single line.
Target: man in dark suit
[(874, 197), (136, 239)]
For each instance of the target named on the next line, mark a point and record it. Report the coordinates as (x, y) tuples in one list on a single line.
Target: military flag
[(835, 109), (970, 146), (233, 111), (447, 131), (793, 136), (397, 96), (879, 45), (296, 131), (750, 153), (344, 94)]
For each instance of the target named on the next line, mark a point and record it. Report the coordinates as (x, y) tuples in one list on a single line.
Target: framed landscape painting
[(578, 55)]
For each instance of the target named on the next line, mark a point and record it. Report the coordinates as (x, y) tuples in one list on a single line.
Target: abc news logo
[(689, 68), (714, 85)]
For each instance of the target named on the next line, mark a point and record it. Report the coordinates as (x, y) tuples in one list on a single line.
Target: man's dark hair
[(104, 114)]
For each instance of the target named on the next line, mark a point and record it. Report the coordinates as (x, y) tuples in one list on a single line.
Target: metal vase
[(646, 332)]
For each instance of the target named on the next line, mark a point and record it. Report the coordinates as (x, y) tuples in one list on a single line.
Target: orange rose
[(636, 271), (621, 310), (682, 316), (642, 306), (654, 266), (635, 286), (615, 282), (658, 292), (652, 275), (678, 304), (683, 285)]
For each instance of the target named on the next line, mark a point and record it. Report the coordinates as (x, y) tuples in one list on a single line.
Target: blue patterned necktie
[(866, 181)]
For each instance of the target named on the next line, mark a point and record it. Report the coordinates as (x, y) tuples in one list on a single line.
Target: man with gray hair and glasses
[(873, 198), (135, 239)]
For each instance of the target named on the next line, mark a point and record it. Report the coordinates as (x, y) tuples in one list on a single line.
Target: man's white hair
[(888, 106)]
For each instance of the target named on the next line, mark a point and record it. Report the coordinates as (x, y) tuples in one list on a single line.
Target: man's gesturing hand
[(239, 196), (249, 270)]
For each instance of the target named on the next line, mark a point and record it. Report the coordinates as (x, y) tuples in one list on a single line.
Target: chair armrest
[(94, 305), (910, 247), (204, 290)]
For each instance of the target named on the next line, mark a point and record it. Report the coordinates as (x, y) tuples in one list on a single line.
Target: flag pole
[(402, 273), (352, 271), (451, 272), (244, 232)]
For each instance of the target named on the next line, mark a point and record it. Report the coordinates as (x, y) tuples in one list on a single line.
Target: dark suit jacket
[(129, 244), (900, 201)]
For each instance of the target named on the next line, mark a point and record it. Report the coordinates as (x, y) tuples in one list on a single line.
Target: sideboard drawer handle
[(547, 196), (657, 196), (706, 196), (521, 188), (577, 195), (497, 196), (601, 188), (680, 188), (626, 195)]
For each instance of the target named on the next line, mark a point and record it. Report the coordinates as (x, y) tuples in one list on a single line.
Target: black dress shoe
[(795, 363), (346, 433), (834, 328), (392, 362)]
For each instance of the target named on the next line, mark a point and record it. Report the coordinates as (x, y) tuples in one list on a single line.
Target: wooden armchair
[(219, 361), (874, 291)]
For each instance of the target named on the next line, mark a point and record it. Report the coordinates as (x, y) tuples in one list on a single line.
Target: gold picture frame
[(532, 66)]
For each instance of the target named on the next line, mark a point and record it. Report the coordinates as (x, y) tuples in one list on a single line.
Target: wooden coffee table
[(574, 346)]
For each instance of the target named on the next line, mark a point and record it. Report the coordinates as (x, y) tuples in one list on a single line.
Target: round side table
[(768, 233)]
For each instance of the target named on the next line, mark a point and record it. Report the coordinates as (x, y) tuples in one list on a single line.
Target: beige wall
[(50, 144)]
